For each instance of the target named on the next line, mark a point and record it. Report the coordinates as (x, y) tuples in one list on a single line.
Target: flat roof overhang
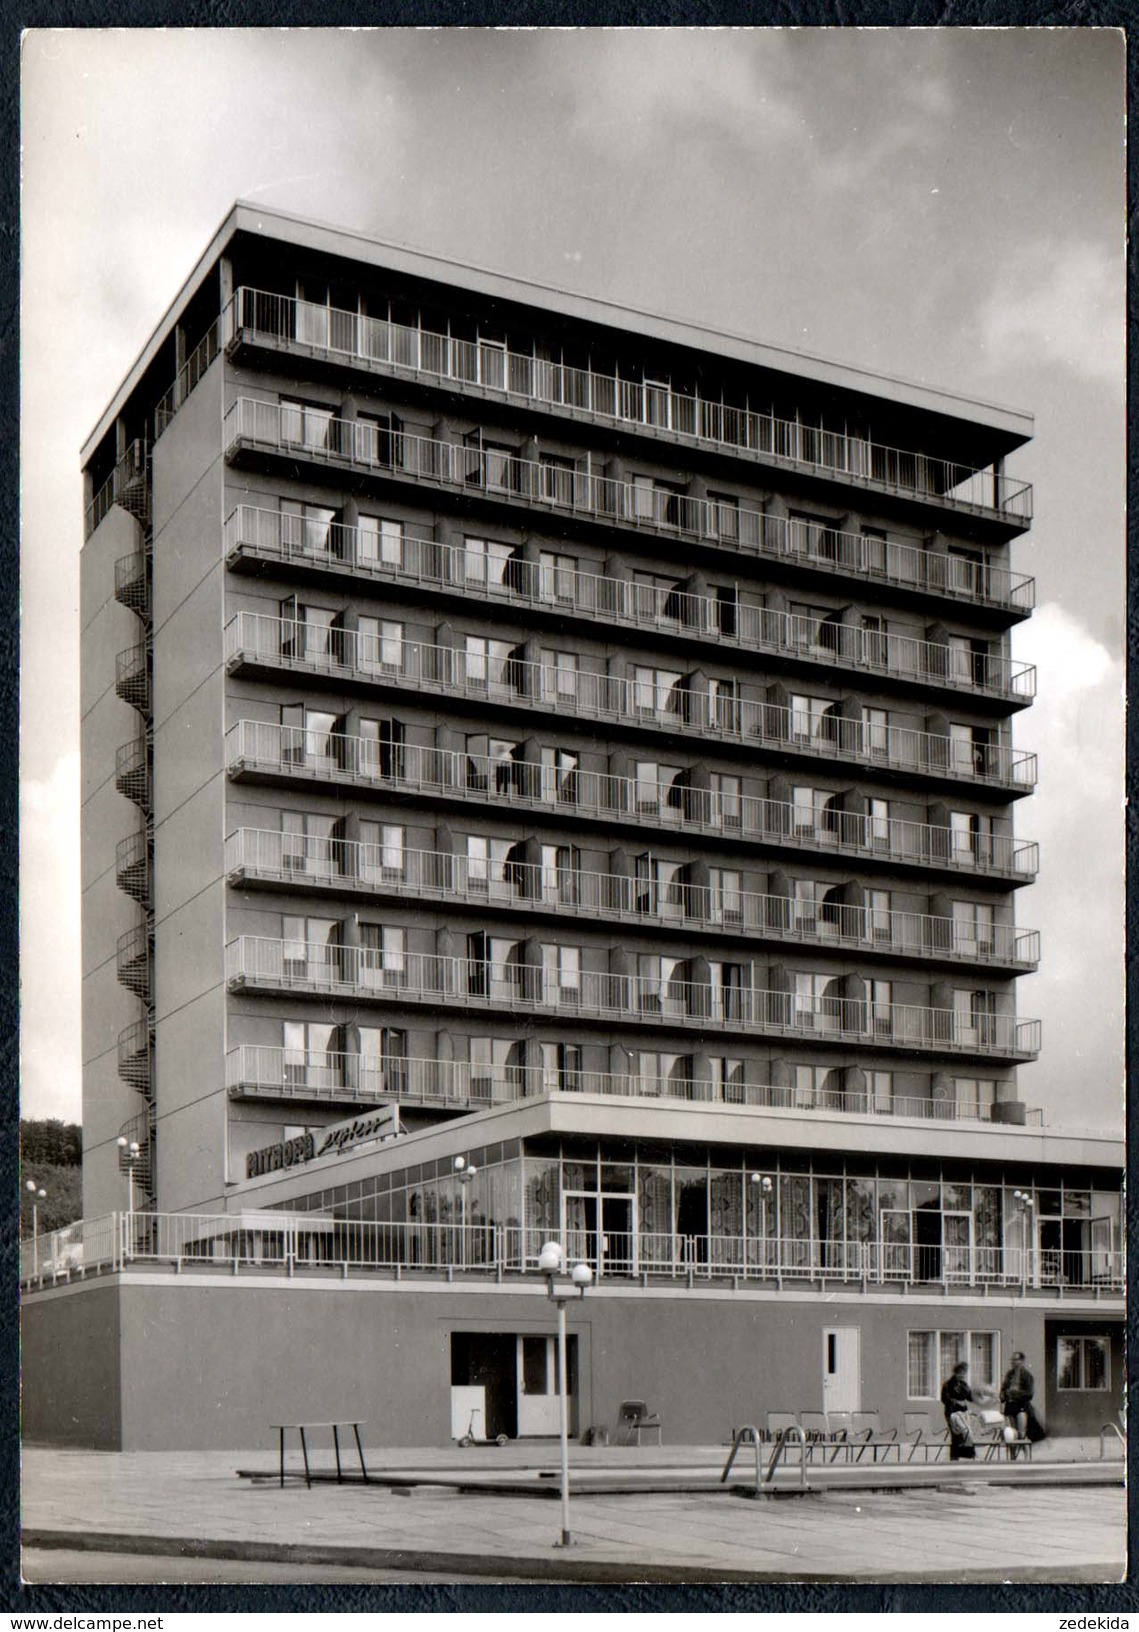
[(975, 432), (600, 1117)]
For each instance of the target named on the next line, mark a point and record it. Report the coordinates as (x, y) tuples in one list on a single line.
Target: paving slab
[(192, 1504)]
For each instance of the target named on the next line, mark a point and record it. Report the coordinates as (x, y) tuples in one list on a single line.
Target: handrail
[(513, 580), (678, 804), (786, 1435), (1114, 1428), (747, 1435), (649, 698), (362, 445), (690, 419), (662, 897)]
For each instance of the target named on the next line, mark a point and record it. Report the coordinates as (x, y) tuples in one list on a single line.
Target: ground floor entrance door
[(539, 1385), (842, 1369)]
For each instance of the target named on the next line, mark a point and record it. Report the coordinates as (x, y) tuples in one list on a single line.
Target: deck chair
[(869, 1435), (815, 1425), (774, 1423), (989, 1437), (633, 1418), (924, 1433)]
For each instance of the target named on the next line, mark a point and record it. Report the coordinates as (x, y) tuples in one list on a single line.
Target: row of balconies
[(518, 885), (493, 370), (682, 803), (361, 973), (617, 604), (265, 1071), (680, 704), (364, 446)]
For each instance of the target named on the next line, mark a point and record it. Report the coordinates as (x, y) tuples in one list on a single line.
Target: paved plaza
[(956, 1523)]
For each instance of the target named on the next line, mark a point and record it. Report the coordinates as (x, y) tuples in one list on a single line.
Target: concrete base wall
[(205, 1361)]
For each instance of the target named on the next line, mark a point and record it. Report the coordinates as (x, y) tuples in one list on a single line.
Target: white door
[(539, 1408), (842, 1369)]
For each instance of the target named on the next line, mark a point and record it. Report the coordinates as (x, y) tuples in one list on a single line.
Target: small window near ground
[(1083, 1364)]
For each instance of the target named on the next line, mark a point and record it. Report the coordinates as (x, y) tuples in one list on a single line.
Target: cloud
[(50, 964), (1060, 303)]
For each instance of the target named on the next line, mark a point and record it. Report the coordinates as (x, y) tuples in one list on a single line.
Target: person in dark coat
[(956, 1398), (1017, 1390)]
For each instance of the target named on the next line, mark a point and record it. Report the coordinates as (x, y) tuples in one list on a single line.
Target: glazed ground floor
[(147, 1359)]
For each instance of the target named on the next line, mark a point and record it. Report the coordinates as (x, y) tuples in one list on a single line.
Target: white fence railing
[(296, 1241), (648, 696), (496, 371), (401, 556), (662, 897), (677, 801), (364, 445)]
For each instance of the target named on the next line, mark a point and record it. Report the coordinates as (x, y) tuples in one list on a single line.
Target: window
[(492, 1072), (561, 1067), (660, 984), (880, 997), (814, 1009), (653, 784), (818, 1086), (307, 844), (974, 1097), (306, 529), (307, 633), (493, 969), (383, 1059), (724, 705), (657, 501), (878, 813), (378, 439), (655, 691), (723, 515), (874, 553), (561, 974), (973, 928), (974, 1017), (383, 955), (875, 641), (727, 1079), (382, 748), (307, 423), (557, 577), (308, 948), (815, 536), (556, 478), (490, 464), (379, 542), (809, 720), (875, 732), (559, 676), (727, 605), (382, 853), (725, 896), (968, 572), (309, 1058), (380, 645), (491, 665), (657, 886), (559, 776), (974, 749), (725, 800), (878, 914), (880, 1089), (931, 1356), (490, 764), (661, 1074), (727, 982), (484, 562), (813, 812), (307, 737), (1083, 1363), (971, 838)]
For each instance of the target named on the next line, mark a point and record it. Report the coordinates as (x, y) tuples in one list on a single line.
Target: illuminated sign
[(274, 1157), (380, 1123)]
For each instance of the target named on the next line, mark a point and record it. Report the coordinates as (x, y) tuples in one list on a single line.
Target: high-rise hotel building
[(582, 742)]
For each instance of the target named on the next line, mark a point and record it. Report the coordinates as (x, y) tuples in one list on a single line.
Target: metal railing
[(128, 485), (676, 805), (271, 1071), (527, 886), (293, 1241), (405, 557), (285, 965), (497, 372), (363, 445), (190, 375), (641, 699)]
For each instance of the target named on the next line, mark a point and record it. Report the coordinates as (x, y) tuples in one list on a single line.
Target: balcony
[(260, 1071), (132, 772), (357, 446), (132, 677), (261, 963), (135, 1049), (132, 583), (133, 952), (128, 485), (256, 748), (132, 866), (271, 857), (190, 376), (616, 603), (255, 640), (493, 372)]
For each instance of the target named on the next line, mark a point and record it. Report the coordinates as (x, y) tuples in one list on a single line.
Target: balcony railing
[(260, 747), (427, 875), (254, 962), (627, 701), (404, 557), (482, 1247), (128, 485), (363, 446), (686, 418), (190, 375), (269, 1072)]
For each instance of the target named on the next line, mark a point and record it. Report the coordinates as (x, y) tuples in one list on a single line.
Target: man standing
[(1017, 1390)]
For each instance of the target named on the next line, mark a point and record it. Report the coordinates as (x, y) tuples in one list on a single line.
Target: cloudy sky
[(944, 205)]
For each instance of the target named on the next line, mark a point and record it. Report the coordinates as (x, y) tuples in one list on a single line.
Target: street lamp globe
[(31, 1185), (460, 1163), (582, 1276), (550, 1258)]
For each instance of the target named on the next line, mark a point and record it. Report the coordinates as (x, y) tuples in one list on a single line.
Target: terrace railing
[(673, 804), (654, 901), (411, 978), (400, 556), (494, 371), (298, 1242), (639, 699), (365, 446)]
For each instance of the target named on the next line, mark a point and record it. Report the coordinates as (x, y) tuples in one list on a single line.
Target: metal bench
[(303, 1428)]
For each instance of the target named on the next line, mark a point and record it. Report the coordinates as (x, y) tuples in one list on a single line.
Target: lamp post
[(37, 1195), (763, 1186), (551, 1261), (1025, 1203), (466, 1173)]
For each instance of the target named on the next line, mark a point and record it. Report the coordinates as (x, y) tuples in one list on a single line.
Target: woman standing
[(956, 1398)]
